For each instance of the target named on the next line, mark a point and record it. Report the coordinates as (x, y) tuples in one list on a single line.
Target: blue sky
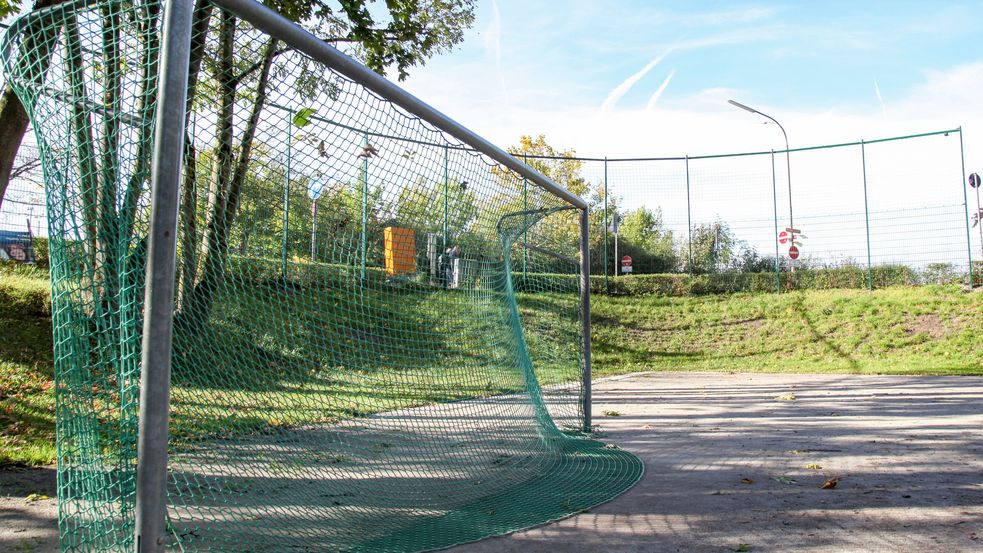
[(880, 64), (634, 78)]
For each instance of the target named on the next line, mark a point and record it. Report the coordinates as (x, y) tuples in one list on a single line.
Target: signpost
[(615, 226), (626, 264), (974, 182), (791, 236)]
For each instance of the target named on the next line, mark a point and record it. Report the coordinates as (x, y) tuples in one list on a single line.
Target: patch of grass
[(901, 330), (276, 356), (27, 411)]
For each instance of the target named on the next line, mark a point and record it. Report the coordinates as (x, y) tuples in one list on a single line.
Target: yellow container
[(400, 250)]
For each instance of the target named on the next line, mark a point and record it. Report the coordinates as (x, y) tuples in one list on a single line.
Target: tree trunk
[(13, 118), (229, 172)]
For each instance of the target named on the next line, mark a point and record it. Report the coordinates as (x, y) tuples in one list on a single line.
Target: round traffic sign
[(783, 237), (793, 252), (974, 180)]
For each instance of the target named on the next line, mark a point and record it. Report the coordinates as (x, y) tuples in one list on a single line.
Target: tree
[(415, 30), (644, 237), (713, 247), (239, 74)]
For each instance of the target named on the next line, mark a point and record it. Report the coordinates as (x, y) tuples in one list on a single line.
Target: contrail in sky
[(877, 92), (616, 94), (658, 92)]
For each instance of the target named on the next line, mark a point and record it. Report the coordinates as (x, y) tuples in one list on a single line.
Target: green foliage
[(41, 252), (713, 246), (644, 237)]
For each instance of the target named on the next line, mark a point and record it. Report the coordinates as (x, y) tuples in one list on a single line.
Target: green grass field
[(927, 330)]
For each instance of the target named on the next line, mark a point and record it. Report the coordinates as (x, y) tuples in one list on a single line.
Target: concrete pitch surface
[(908, 453), (733, 459)]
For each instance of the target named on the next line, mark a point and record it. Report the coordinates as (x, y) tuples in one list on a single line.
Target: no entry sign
[(793, 252), (626, 264), (783, 237)]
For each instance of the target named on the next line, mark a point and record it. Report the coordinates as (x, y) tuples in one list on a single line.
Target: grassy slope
[(26, 368), (926, 330)]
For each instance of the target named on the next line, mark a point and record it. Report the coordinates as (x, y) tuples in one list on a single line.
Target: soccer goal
[(295, 308)]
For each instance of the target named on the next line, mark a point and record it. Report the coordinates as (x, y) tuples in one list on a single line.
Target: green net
[(377, 330)]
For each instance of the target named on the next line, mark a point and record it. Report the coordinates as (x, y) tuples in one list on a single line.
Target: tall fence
[(886, 211), (866, 213)]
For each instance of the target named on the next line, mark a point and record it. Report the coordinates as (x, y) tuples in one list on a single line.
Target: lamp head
[(742, 106)]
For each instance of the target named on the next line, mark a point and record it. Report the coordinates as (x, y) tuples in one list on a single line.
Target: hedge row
[(731, 282)]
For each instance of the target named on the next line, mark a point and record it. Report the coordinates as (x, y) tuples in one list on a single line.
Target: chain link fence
[(893, 211), (866, 214)]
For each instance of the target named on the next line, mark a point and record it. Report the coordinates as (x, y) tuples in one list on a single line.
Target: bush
[(41, 253), (24, 289)]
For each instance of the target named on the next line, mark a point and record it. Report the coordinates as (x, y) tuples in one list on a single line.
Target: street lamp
[(788, 164)]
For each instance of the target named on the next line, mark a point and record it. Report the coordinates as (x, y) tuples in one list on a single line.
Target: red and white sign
[(793, 252), (626, 264), (783, 237)]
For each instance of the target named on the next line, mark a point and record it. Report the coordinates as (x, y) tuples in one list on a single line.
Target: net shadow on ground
[(381, 484)]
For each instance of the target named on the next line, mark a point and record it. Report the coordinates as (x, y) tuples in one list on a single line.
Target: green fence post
[(870, 270), (969, 245), (525, 220), (365, 201), (774, 210), (446, 183), (286, 193), (689, 220), (604, 232)]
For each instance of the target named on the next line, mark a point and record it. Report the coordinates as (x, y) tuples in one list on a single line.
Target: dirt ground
[(735, 463)]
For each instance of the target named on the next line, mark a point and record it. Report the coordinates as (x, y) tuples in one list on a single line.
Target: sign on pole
[(974, 180), (793, 253), (783, 237), (626, 264)]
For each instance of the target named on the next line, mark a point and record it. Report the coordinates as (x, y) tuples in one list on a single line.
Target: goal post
[(294, 305)]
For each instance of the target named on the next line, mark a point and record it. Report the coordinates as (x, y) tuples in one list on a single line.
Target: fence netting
[(378, 331)]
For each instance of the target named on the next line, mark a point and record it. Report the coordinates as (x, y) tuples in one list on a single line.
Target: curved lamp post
[(788, 164)]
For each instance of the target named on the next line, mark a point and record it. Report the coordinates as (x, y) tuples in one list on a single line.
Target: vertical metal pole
[(525, 221), (365, 202), (979, 223), (870, 270), (689, 220), (604, 233), (446, 181), (585, 313), (158, 319), (314, 231), (286, 192), (774, 207), (969, 247)]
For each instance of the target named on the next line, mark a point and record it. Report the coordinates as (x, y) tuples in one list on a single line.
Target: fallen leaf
[(648, 427), (31, 498), (830, 484), (785, 480), (611, 413), (786, 397), (747, 481), (741, 547), (814, 466)]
